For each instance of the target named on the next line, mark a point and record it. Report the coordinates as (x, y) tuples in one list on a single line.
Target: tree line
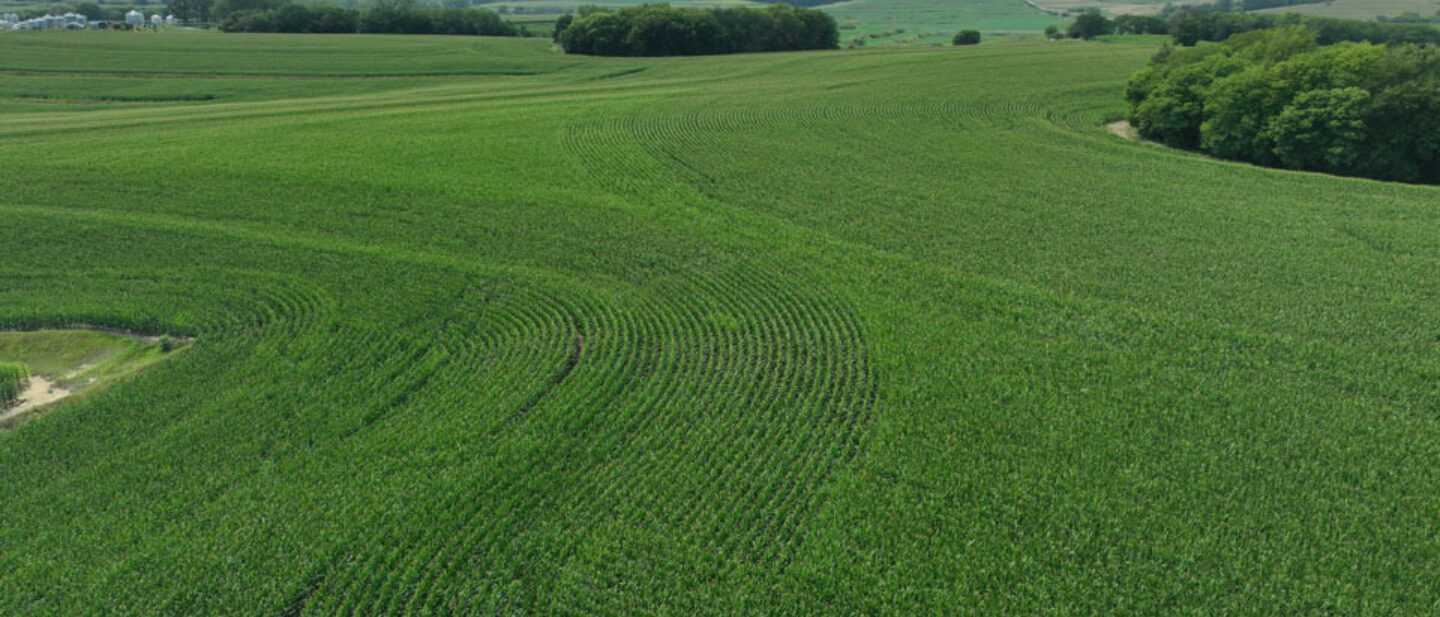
[(663, 30), (1190, 25), (1410, 17), (1280, 98), (384, 17), (1091, 23)]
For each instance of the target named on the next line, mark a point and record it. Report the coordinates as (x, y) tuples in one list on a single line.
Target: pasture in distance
[(481, 328), (1362, 9), (933, 21)]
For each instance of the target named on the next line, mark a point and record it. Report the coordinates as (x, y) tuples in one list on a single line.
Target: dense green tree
[(1141, 24), (1089, 25), (1410, 17), (600, 34), (1274, 97), (560, 26), (291, 18), (1194, 24), (385, 18), (1321, 130), (224, 8), (396, 17), (334, 20), (662, 30), (90, 10), (967, 37), (1188, 28), (248, 21), (192, 10), (1167, 98), (667, 33), (474, 22), (1404, 116)]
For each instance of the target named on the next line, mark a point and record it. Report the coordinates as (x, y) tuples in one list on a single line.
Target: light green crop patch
[(12, 381)]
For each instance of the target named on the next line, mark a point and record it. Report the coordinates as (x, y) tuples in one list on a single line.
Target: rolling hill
[(483, 329)]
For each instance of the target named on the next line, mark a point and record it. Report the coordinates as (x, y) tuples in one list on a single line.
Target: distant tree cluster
[(1279, 98), (403, 17), (1141, 24), (1190, 26), (1090, 24), (293, 18), (192, 10), (385, 17), (1410, 17), (1231, 6), (1213, 22), (662, 30), (967, 37)]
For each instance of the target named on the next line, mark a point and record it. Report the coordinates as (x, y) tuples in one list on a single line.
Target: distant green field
[(935, 21), (881, 22), (83, 71), (215, 54), (873, 332), (1112, 7), (1363, 9), (61, 93)]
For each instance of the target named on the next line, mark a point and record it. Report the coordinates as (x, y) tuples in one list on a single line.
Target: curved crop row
[(714, 406)]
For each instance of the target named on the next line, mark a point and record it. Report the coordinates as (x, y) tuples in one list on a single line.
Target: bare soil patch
[(38, 391), (1121, 129)]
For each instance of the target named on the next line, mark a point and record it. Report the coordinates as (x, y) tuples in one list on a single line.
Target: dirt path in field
[(39, 391), (1121, 129)]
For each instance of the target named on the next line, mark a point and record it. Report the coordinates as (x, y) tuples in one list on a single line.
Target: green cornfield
[(485, 329)]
